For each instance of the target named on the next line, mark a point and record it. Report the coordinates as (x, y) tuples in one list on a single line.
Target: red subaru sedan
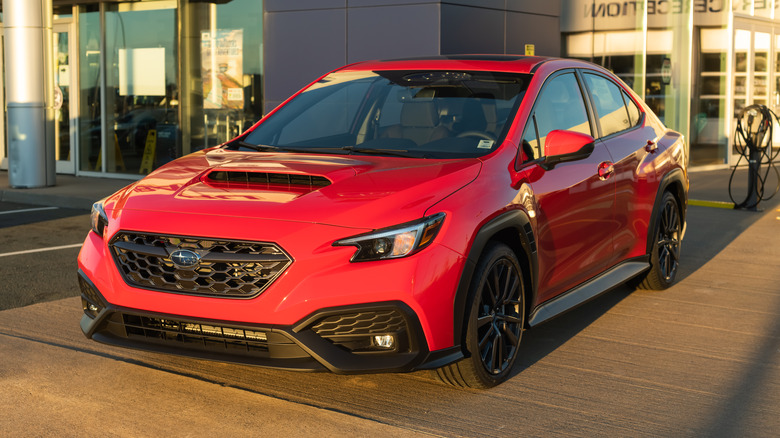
[(394, 216)]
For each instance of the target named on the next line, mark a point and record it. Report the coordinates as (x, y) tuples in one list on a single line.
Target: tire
[(665, 254), (495, 322)]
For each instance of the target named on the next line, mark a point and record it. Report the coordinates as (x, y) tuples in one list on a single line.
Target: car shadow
[(710, 230)]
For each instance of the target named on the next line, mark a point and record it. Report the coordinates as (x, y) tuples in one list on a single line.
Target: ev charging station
[(753, 141)]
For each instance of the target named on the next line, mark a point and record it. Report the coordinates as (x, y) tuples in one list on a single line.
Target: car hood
[(349, 191)]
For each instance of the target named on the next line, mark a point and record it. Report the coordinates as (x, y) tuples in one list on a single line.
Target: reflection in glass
[(761, 62), (740, 65), (739, 105), (141, 88), (62, 93), (760, 83), (713, 62), (708, 118), (713, 85), (740, 85), (89, 83), (221, 49)]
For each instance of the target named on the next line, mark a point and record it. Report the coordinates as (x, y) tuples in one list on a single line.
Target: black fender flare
[(518, 224), (677, 180)]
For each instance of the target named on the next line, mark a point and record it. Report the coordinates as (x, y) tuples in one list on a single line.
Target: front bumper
[(338, 339)]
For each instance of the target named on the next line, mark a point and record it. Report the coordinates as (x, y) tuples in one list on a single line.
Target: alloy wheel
[(499, 316), (669, 240)]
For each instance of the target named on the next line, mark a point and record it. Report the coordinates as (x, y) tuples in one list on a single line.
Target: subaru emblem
[(184, 258)]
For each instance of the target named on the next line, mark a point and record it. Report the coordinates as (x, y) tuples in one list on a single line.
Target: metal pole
[(30, 92)]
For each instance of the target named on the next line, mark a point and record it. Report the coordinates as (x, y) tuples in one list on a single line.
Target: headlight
[(98, 218), (394, 242)]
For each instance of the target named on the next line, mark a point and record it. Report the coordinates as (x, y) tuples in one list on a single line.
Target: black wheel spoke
[(486, 338), (674, 250), (496, 277), (509, 290), (483, 320), (513, 339), (498, 352), (490, 293), (511, 319)]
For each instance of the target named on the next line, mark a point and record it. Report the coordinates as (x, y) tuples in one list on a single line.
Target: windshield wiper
[(393, 152), (270, 148)]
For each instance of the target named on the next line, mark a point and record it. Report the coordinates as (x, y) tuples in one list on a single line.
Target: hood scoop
[(237, 179)]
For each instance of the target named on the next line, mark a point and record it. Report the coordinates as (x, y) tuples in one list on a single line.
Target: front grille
[(195, 334), (226, 268), (361, 323)]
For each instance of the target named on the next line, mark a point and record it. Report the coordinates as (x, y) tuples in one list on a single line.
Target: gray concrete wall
[(306, 38)]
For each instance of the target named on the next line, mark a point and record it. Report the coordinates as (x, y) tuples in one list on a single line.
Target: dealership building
[(118, 88)]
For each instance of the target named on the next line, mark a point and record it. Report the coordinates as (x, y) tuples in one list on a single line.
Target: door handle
[(651, 146), (606, 169)]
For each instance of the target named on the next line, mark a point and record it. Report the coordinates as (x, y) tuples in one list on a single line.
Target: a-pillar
[(29, 92)]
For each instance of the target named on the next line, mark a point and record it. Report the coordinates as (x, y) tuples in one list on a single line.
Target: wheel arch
[(513, 229), (674, 182)]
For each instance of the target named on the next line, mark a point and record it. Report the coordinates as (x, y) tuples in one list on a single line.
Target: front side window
[(559, 106), (436, 114)]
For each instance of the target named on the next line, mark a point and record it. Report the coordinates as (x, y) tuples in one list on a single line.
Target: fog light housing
[(386, 342), (91, 302)]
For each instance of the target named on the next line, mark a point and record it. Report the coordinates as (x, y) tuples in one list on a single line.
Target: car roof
[(498, 63)]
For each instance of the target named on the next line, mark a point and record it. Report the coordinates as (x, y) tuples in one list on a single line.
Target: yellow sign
[(147, 161), (530, 50)]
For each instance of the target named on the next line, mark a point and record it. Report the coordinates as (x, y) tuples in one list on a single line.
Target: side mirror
[(561, 146)]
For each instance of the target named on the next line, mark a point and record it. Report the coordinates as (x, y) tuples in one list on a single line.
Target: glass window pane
[(560, 106), (708, 115), (713, 62), (62, 83), (761, 62), (141, 88), (89, 84), (633, 111), (741, 62), (531, 147), (611, 110), (713, 85), (740, 85), (221, 49), (708, 132)]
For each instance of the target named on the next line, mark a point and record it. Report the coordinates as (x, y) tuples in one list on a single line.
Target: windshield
[(425, 114)]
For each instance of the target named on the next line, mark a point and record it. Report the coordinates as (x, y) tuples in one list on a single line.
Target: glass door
[(64, 107), (751, 70), (3, 143)]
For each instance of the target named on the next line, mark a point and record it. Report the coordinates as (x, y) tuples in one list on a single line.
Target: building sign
[(530, 50), (222, 68), (588, 15)]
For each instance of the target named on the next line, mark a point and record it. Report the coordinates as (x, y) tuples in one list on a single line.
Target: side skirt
[(592, 288)]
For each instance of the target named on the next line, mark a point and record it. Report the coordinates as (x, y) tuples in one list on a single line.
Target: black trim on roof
[(504, 58)]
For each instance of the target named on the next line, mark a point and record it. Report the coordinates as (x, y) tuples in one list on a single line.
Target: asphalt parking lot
[(700, 359)]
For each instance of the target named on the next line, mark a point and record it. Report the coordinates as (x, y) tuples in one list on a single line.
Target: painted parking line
[(714, 204), (27, 210), (30, 251)]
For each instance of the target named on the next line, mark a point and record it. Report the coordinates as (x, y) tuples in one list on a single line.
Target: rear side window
[(634, 115), (560, 106), (610, 108)]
